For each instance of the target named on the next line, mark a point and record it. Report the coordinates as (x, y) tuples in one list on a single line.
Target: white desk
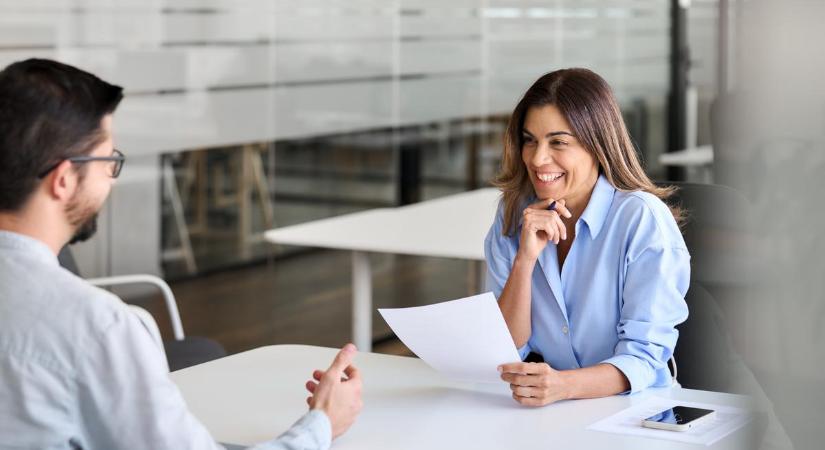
[(699, 156), (697, 162), (448, 227), (253, 396)]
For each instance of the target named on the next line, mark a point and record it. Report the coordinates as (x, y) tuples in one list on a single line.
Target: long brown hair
[(587, 102)]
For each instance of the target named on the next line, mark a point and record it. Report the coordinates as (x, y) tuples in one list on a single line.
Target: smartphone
[(679, 418)]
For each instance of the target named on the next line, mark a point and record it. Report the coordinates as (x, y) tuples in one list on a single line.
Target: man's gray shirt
[(79, 370)]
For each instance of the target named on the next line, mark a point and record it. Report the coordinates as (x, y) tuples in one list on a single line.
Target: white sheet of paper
[(465, 339), (629, 421)]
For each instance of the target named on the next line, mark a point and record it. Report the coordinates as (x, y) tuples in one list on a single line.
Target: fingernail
[(500, 369)]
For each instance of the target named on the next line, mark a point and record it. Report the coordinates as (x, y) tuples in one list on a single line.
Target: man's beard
[(83, 216), (86, 230)]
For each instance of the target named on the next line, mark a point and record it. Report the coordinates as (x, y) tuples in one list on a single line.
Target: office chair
[(705, 353), (181, 352), (714, 233)]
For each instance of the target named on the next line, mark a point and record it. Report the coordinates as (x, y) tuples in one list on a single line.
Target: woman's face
[(559, 166)]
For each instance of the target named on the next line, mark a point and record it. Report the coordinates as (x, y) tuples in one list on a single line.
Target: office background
[(241, 116), (326, 103)]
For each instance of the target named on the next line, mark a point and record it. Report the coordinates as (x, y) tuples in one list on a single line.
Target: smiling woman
[(583, 243), (585, 113)]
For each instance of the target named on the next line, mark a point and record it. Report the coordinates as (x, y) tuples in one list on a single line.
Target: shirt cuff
[(639, 374), (318, 422), (312, 431), (524, 351)]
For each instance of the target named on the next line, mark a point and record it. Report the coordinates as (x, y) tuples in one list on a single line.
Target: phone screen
[(679, 415)]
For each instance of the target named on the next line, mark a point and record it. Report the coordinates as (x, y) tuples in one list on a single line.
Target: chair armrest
[(168, 296)]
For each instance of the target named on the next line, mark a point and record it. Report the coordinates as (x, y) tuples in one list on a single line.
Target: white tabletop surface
[(255, 395), (449, 227), (698, 156)]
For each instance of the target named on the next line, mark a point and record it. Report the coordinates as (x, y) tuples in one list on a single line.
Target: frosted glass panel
[(347, 93)]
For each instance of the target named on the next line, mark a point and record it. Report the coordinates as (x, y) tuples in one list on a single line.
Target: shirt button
[(564, 329)]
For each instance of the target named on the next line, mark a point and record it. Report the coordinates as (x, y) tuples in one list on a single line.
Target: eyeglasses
[(117, 159)]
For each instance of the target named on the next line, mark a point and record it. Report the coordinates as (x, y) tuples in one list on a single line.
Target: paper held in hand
[(466, 339)]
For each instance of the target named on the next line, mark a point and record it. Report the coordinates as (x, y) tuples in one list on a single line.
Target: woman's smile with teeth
[(548, 177)]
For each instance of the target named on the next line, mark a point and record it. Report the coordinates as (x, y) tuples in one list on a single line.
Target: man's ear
[(62, 181)]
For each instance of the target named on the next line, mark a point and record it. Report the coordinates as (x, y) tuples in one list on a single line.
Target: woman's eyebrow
[(550, 134)]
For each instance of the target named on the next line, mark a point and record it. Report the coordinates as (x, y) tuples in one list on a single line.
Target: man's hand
[(337, 391)]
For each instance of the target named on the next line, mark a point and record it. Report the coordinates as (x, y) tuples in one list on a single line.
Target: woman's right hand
[(541, 226)]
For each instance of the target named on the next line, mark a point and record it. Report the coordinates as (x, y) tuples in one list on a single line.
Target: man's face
[(93, 188)]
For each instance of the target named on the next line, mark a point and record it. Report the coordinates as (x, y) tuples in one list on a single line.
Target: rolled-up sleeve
[(653, 303), (499, 257), (499, 254)]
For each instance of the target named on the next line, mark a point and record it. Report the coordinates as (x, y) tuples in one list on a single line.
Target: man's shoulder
[(77, 297), (49, 309), (55, 329)]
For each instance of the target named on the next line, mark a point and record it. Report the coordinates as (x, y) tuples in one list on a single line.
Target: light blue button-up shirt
[(78, 370), (619, 295)]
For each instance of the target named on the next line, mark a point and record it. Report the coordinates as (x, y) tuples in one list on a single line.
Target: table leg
[(361, 301), (481, 271), (476, 277)]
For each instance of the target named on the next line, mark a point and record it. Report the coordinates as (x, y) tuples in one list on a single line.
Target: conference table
[(449, 227), (254, 396)]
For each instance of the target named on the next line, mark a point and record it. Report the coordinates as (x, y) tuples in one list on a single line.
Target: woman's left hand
[(534, 384)]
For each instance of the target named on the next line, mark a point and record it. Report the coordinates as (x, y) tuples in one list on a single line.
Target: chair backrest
[(713, 231), (709, 206), (66, 260), (704, 351)]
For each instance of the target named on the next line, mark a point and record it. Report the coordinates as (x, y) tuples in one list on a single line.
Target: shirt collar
[(595, 214), (31, 246)]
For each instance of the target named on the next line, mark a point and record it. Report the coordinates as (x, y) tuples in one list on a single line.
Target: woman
[(586, 260)]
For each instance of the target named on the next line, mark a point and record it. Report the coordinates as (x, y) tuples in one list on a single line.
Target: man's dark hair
[(49, 112)]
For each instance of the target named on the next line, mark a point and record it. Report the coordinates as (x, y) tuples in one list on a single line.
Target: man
[(77, 368)]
